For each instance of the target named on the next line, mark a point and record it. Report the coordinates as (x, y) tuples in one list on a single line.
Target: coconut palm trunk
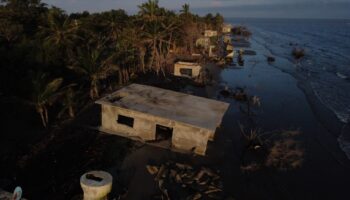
[(40, 111)]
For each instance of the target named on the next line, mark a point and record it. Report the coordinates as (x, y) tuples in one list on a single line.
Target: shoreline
[(326, 117), (324, 159)]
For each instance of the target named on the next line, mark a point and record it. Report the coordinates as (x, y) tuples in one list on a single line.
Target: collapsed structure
[(154, 114)]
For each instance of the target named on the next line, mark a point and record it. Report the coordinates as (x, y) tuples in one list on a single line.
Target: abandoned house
[(187, 69), (210, 33), (203, 42), (227, 28), (227, 39), (152, 114), (229, 47)]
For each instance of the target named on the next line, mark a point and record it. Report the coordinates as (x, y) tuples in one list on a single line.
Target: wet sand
[(325, 172)]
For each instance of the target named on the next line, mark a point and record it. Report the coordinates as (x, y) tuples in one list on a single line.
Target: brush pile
[(298, 53), (181, 181)]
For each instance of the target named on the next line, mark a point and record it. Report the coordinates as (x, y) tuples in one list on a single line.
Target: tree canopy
[(89, 50)]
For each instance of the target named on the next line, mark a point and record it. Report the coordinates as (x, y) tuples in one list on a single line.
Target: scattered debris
[(204, 78), (240, 60), (255, 101), (242, 44), (298, 53), (271, 59), (240, 94), (152, 169), (285, 154), (249, 52), (225, 93), (181, 181), (342, 76)]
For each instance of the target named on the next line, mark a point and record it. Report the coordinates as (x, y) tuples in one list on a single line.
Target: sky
[(229, 8)]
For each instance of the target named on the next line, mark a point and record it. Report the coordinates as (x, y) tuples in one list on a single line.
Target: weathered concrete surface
[(193, 119), (195, 67)]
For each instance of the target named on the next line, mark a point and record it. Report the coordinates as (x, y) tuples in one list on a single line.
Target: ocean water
[(326, 67)]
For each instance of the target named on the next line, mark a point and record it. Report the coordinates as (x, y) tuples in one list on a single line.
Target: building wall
[(195, 69), (226, 29), (197, 141), (185, 137)]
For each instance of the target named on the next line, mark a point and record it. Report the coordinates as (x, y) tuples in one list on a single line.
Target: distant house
[(229, 47), (227, 39), (227, 28), (187, 69), (152, 114), (210, 33), (212, 53), (203, 42)]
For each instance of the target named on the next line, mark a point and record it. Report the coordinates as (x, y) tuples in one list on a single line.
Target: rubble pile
[(181, 181)]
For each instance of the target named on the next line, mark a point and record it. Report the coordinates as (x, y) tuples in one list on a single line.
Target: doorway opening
[(163, 133)]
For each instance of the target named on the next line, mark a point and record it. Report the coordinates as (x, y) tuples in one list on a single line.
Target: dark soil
[(48, 163)]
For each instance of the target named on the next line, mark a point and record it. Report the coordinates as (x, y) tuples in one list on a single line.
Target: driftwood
[(181, 181)]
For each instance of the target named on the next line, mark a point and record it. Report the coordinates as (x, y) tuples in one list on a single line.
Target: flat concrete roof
[(193, 110), (189, 64)]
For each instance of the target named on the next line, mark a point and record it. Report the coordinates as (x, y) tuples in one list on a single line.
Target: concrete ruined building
[(187, 69), (227, 39), (152, 114), (210, 33), (227, 28), (203, 42)]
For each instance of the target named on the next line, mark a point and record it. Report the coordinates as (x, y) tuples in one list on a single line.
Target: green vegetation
[(49, 56)]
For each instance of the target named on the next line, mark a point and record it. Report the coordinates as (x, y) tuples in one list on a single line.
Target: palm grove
[(52, 59)]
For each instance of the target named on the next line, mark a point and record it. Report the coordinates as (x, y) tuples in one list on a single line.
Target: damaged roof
[(193, 110)]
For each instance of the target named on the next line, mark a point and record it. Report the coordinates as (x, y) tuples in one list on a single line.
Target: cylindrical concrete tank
[(96, 185)]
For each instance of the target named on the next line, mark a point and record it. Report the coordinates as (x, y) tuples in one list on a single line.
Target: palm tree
[(44, 94), (10, 31), (60, 31), (93, 65), (114, 21), (185, 10), (68, 101), (149, 10)]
